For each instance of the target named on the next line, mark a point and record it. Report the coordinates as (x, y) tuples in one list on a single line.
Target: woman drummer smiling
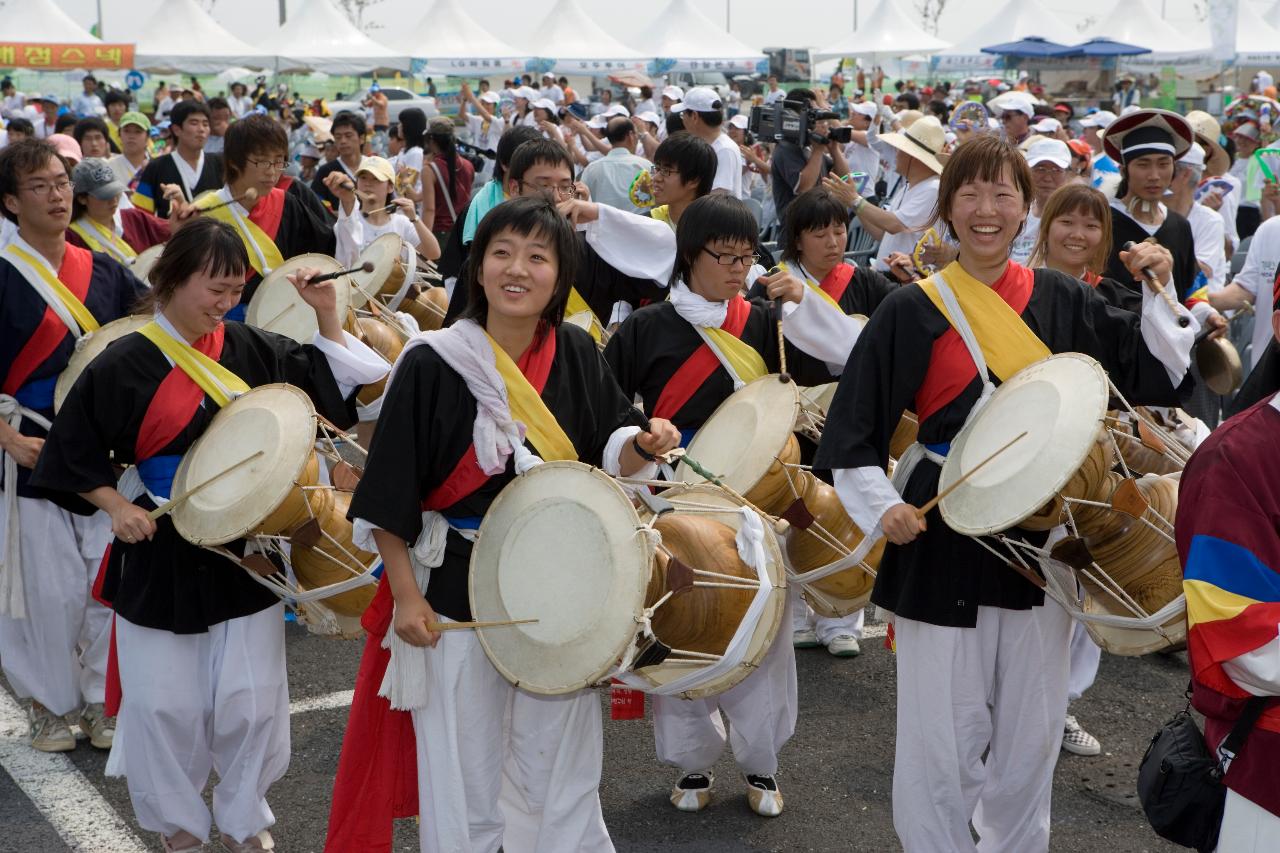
[(982, 659), (201, 644), (511, 368)]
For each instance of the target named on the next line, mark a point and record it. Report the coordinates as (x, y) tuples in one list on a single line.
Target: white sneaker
[(844, 646), (97, 726), (49, 732), (805, 638), (1076, 740), (692, 792)]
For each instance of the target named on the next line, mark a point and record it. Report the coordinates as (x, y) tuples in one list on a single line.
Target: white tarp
[(887, 33), (449, 41), (1015, 20), (1257, 40), (682, 38), (580, 45), (318, 37), (43, 22), (182, 37), (1139, 23)]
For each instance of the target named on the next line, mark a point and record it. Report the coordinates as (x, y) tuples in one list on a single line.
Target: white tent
[(41, 21), (682, 38), (1139, 23), (1257, 40), (887, 33), (449, 41), (182, 37), (1013, 21), (581, 46), (318, 37)]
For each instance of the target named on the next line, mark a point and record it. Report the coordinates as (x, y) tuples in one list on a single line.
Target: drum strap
[(541, 427), (214, 379), (257, 230), (64, 296), (104, 240)]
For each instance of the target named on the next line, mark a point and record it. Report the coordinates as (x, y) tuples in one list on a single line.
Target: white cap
[(649, 116), (1101, 119), (617, 110), (309, 151), (598, 120), (1047, 125), (548, 74), (1013, 101), (544, 103), (739, 121), (490, 97), (1129, 110), (1053, 151), (700, 99), (675, 93), (526, 92), (865, 108), (1194, 156)]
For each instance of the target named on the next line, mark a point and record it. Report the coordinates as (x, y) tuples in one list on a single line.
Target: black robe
[(113, 292), (162, 170), (167, 583), (943, 577), (304, 227), (425, 429), (1174, 234)]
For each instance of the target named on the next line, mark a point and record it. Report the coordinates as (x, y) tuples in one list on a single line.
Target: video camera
[(794, 121)]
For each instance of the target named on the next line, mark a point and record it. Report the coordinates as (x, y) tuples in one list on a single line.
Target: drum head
[(560, 545), (146, 259), (764, 631), (384, 254), (585, 320), (276, 419), (89, 348), (741, 439), (1060, 402), (277, 307)]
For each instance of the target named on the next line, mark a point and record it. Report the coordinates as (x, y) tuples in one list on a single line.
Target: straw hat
[(1208, 131), (924, 141)]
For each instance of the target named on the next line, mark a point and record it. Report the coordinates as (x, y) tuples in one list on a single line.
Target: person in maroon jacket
[(100, 225)]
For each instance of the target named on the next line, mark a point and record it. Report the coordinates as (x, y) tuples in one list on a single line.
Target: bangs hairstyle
[(204, 245), (693, 158), (987, 158), (507, 145), (713, 217), (527, 216), (20, 159), (252, 136), (1081, 200), (537, 151), (811, 210)]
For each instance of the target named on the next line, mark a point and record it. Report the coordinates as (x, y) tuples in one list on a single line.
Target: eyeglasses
[(561, 190), (278, 165), (1048, 170), (663, 171), (43, 187), (725, 259)]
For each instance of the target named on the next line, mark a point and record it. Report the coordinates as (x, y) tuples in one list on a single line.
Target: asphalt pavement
[(836, 771)]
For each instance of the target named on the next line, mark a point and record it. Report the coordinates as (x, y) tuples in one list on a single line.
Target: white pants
[(1001, 685), (200, 702), (58, 653), (1247, 827), (826, 627), (501, 767), (690, 734), (1085, 655)]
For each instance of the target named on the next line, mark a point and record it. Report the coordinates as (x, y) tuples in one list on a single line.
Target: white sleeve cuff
[(638, 246), (821, 330), (866, 494), (362, 535), (1165, 339), (621, 311), (612, 461), (353, 365)]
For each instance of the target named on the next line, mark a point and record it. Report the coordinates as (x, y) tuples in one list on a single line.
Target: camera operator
[(795, 169)]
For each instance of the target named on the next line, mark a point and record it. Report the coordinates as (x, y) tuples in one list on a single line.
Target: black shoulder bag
[(1180, 779)]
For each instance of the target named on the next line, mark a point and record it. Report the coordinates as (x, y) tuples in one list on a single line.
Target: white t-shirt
[(863, 158), (88, 105), (411, 158), (485, 140), (728, 166), (1207, 230), (354, 234), (1258, 276), (914, 209), (553, 93), (774, 97), (14, 103), (1020, 251), (240, 107)]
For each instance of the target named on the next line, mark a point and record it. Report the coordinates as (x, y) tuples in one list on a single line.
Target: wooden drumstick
[(783, 375), (367, 266), (174, 503), (458, 626), (924, 510), (1183, 319)]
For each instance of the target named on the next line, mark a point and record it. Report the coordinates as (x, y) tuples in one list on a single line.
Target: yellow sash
[(214, 379), (256, 242), (577, 305), (814, 287), (65, 296), (541, 427), (101, 239), (746, 362), (1006, 342)]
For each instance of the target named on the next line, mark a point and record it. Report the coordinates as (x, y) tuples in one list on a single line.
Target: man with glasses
[(275, 222), (187, 167), (53, 635), (622, 258)]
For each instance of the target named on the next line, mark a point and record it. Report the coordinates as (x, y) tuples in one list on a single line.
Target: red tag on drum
[(625, 703)]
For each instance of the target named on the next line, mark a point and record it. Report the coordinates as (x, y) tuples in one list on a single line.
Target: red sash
[(75, 272), (1091, 278), (951, 368), (268, 212), (377, 779), (837, 281), (686, 381)]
